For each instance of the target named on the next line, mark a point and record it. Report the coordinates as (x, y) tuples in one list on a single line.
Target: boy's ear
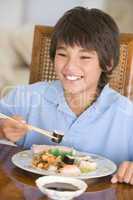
[(110, 67)]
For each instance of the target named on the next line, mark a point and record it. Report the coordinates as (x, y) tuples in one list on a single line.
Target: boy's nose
[(71, 64)]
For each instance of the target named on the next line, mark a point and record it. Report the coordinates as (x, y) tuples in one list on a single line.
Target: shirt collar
[(55, 95), (107, 97)]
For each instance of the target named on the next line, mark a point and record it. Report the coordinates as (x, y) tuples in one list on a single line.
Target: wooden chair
[(42, 68)]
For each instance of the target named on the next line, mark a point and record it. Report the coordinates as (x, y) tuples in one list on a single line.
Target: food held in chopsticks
[(62, 161), (55, 136)]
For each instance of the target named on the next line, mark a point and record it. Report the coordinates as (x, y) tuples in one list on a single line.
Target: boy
[(93, 117)]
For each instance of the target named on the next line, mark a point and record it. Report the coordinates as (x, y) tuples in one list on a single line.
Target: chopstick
[(39, 130)]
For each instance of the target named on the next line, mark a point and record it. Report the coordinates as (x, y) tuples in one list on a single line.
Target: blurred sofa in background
[(15, 56)]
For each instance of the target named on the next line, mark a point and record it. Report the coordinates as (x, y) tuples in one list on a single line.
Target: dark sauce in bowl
[(62, 187)]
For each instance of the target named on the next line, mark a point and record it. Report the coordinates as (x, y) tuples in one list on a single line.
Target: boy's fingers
[(19, 119), (131, 180), (17, 123), (124, 173), (121, 171), (114, 179), (129, 173), (12, 124)]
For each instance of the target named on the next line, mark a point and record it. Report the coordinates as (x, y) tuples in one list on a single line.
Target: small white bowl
[(61, 195)]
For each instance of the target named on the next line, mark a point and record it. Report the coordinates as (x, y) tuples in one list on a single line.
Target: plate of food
[(63, 161)]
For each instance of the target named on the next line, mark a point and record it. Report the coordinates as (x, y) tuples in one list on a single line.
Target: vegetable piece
[(57, 152), (68, 159)]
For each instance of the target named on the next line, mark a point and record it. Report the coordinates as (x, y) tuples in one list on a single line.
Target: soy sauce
[(62, 187)]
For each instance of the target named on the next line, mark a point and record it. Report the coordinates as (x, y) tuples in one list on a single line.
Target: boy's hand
[(124, 173), (13, 130)]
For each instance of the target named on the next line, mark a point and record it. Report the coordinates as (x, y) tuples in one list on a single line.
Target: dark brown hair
[(92, 29)]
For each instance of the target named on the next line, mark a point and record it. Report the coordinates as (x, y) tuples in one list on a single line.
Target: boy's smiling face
[(77, 68)]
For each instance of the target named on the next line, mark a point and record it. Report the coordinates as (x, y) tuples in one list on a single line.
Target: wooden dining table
[(17, 184)]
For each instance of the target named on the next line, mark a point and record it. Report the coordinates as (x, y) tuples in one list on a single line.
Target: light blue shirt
[(105, 128)]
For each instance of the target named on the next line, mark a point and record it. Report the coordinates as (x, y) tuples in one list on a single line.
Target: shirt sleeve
[(129, 134), (21, 100), (131, 145), (15, 103)]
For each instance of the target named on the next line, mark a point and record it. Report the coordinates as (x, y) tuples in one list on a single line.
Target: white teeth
[(73, 78)]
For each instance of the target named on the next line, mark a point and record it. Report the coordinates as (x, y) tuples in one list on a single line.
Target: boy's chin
[(72, 91)]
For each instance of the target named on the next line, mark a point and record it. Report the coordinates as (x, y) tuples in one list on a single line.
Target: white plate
[(105, 166)]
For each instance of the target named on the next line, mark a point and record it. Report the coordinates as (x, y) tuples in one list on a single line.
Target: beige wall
[(122, 11)]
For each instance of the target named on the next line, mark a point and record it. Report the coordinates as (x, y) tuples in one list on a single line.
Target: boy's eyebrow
[(87, 50), (60, 47), (82, 50)]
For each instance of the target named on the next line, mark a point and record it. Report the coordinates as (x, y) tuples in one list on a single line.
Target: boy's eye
[(85, 57), (61, 54)]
